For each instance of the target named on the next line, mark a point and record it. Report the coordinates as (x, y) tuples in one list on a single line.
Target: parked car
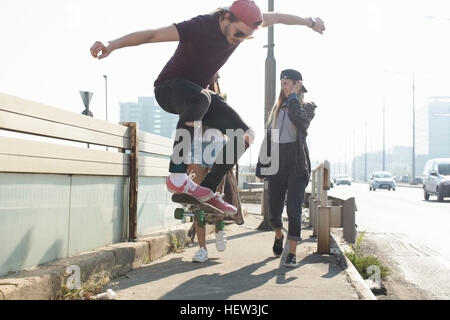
[(343, 179), (437, 178), (381, 180)]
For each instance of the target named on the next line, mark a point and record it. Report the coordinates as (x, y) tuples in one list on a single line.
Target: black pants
[(193, 103), (282, 182)]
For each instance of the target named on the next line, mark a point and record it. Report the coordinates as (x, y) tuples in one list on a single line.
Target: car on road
[(437, 178), (343, 179), (381, 180)]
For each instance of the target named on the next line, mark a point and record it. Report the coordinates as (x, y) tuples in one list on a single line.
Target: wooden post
[(133, 198), (323, 232)]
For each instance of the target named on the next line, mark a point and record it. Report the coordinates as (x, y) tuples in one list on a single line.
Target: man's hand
[(271, 18), (318, 25), (98, 47)]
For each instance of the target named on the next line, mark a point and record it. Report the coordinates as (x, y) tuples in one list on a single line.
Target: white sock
[(178, 179)]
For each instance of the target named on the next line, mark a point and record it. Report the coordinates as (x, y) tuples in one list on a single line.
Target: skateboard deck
[(203, 212)]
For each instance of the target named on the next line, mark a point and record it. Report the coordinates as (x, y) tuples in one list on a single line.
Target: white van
[(437, 178)]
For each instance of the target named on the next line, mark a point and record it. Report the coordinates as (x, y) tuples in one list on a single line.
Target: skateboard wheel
[(179, 213), (220, 225), (200, 218)]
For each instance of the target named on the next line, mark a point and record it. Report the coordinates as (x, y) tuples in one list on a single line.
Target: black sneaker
[(291, 261), (278, 246)]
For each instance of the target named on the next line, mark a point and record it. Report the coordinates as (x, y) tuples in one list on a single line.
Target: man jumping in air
[(205, 44)]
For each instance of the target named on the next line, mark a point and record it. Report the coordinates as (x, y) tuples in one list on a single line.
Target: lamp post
[(106, 99), (353, 163), (86, 96), (269, 101), (365, 157), (384, 139), (413, 181)]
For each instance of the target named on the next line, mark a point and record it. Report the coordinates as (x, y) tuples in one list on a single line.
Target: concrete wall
[(44, 217), (155, 207)]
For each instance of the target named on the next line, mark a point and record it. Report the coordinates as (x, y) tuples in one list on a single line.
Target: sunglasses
[(240, 34)]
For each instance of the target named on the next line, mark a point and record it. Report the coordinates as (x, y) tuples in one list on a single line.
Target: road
[(411, 233)]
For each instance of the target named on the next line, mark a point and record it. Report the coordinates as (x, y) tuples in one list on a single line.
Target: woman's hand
[(296, 88)]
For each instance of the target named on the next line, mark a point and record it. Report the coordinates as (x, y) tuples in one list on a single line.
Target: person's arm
[(300, 116), (164, 34), (271, 18)]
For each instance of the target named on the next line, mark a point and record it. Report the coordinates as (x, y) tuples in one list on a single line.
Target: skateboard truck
[(200, 217)]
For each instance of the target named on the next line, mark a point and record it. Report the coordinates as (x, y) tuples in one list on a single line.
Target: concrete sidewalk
[(246, 270)]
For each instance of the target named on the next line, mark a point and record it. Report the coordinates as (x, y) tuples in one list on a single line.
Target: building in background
[(150, 116), (439, 127)]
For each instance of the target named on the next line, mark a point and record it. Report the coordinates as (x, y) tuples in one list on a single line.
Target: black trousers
[(286, 182), (193, 103)]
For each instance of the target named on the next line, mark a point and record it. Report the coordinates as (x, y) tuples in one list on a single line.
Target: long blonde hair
[(272, 120)]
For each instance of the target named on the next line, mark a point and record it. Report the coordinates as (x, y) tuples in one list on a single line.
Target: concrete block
[(158, 246), (40, 284)]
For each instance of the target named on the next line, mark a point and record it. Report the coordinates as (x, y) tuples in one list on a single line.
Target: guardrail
[(73, 173), (325, 214)]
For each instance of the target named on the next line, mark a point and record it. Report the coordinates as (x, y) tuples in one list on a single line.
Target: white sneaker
[(200, 256), (221, 241)]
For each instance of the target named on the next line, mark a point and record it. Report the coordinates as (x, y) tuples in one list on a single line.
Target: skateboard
[(203, 213)]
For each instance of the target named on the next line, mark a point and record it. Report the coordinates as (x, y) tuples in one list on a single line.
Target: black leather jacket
[(301, 116)]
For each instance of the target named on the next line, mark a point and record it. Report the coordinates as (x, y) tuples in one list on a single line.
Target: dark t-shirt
[(201, 52)]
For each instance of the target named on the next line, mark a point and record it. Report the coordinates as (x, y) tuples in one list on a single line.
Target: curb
[(361, 287), (97, 267)]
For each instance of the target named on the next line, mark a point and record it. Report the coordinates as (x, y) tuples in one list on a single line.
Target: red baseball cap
[(247, 11)]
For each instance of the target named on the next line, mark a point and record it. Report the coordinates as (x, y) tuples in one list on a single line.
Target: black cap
[(293, 75)]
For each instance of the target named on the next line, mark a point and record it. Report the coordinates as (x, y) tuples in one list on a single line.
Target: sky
[(364, 60)]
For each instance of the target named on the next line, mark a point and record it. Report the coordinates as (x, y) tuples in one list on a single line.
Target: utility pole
[(353, 168), (345, 156), (384, 139), (106, 95), (269, 101), (106, 99), (365, 158), (413, 181)]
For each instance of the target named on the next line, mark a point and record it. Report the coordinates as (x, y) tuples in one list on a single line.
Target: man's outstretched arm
[(165, 34), (271, 18)]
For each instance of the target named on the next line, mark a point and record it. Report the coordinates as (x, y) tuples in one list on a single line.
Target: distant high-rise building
[(439, 127), (150, 116)]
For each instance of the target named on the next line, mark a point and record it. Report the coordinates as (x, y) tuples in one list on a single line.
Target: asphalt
[(246, 270)]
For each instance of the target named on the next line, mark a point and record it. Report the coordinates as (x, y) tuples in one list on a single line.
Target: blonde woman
[(290, 117)]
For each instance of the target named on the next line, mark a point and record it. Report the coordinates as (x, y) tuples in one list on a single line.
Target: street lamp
[(106, 94), (86, 96), (365, 156), (414, 137), (384, 139), (413, 169), (106, 99), (270, 77)]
